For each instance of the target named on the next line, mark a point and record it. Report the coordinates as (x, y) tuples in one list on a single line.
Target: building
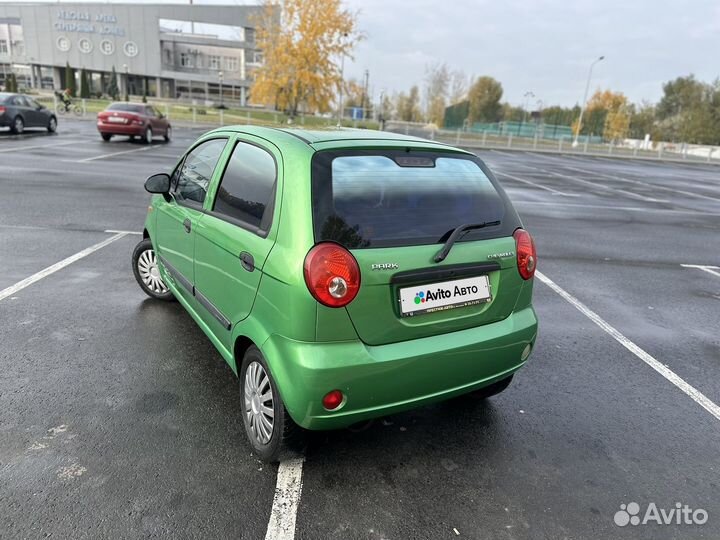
[(162, 50)]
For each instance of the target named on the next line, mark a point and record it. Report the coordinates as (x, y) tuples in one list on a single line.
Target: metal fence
[(563, 144), (192, 113)]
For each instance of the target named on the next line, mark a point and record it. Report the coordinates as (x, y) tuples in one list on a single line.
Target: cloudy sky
[(541, 46)]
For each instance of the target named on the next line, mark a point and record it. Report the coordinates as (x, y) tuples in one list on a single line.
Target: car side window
[(191, 179), (150, 111), (247, 187)]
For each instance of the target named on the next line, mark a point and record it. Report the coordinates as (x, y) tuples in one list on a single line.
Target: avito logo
[(426, 296)]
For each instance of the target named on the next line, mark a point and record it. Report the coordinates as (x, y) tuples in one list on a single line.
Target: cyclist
[(65, 97)]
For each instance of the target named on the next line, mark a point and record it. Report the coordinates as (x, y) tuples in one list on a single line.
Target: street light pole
[(342, 84), (527, 96), (584, 101)]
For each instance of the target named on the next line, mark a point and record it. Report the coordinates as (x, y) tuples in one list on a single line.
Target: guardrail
[(563, 145)]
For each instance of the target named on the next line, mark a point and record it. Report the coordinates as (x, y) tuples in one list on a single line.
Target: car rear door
[(394, 210), (178, 219), (234, 237)]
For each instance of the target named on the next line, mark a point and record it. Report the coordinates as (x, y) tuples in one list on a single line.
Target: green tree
[(84, 84), (112, 88), (70, 78), (408, 105), (484, 96), (642, 121), (11, 83)]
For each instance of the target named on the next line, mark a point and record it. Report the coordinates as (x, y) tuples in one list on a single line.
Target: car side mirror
[(158, 183)]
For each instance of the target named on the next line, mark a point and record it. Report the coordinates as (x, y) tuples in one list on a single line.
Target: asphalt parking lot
[(118, 419)]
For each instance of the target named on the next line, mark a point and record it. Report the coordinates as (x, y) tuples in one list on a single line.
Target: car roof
[(5, 95), (328, 135)]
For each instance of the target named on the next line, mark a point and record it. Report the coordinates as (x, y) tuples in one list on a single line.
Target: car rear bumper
[(120, 129), (385, 379)]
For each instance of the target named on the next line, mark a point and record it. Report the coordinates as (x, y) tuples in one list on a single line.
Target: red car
[(134, 120)]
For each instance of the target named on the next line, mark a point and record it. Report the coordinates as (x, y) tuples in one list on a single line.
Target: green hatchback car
[(343, 275)]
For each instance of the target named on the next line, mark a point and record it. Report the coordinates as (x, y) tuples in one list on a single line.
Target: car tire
[(168, 134), (147, 272), (52, 125), (492, 389), (148, 135), (106, 136), (18, 125), (285, 437)]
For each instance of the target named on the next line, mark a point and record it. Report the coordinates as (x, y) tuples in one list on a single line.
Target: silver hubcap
[(19, 125), (148, 135), (169, 133), (259, 403), (149, 272)]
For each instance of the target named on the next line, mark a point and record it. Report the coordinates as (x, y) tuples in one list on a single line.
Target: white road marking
[(595, 185), (13, 289), (285, 503), (628, 208), (104, 156), (16, 148), (705, 268), (646, 184), (124, 232), (670, 375), (554, 191)]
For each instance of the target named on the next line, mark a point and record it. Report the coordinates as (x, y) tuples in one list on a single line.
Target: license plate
[(433, 297), (116, 120)]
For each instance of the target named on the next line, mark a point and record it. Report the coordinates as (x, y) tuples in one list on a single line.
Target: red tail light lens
[(2, 109), (333, 400), (332, 274), (526, 254)]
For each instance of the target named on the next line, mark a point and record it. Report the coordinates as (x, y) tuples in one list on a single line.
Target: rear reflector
[(333, 400)]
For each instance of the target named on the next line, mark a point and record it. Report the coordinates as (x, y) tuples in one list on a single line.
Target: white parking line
[(285, 503), (16, 148), (13, 289), (524, 181), (628, 208), (104, 156), (705, 268), (595, 185), (123, 232), (700, 398)]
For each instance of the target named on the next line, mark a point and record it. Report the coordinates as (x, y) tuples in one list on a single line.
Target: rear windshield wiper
[(457, 233)]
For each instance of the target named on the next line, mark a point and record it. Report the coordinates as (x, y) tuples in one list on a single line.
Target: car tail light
[(2, 109), (526, 254), (332, 274)]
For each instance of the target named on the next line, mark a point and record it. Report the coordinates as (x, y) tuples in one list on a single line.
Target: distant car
[(343, 275), (18, 112), (133, 120)]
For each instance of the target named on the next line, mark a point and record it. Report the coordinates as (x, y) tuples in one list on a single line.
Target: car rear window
[(399, 198), (127, 107)]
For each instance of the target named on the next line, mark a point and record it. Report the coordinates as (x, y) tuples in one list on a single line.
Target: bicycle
[(65, 107)]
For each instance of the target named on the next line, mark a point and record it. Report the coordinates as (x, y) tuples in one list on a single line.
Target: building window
[(3, 46), (186, 60), (231, 63), (214, 62)]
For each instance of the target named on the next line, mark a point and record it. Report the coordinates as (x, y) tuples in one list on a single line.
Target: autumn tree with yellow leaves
[(610, 112), (303, 43)]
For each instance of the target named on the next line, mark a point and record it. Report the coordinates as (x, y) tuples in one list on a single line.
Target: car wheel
[(147, 137), (273, 435), (147, 273), (492, 389), (106, 136), (18, 125), (52, 125), (168, 134)]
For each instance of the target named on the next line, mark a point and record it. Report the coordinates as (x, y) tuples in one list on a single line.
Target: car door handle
[(247, 261), (187, 225)]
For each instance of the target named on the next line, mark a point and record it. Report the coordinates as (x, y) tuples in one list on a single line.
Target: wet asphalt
[(118, 419)]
